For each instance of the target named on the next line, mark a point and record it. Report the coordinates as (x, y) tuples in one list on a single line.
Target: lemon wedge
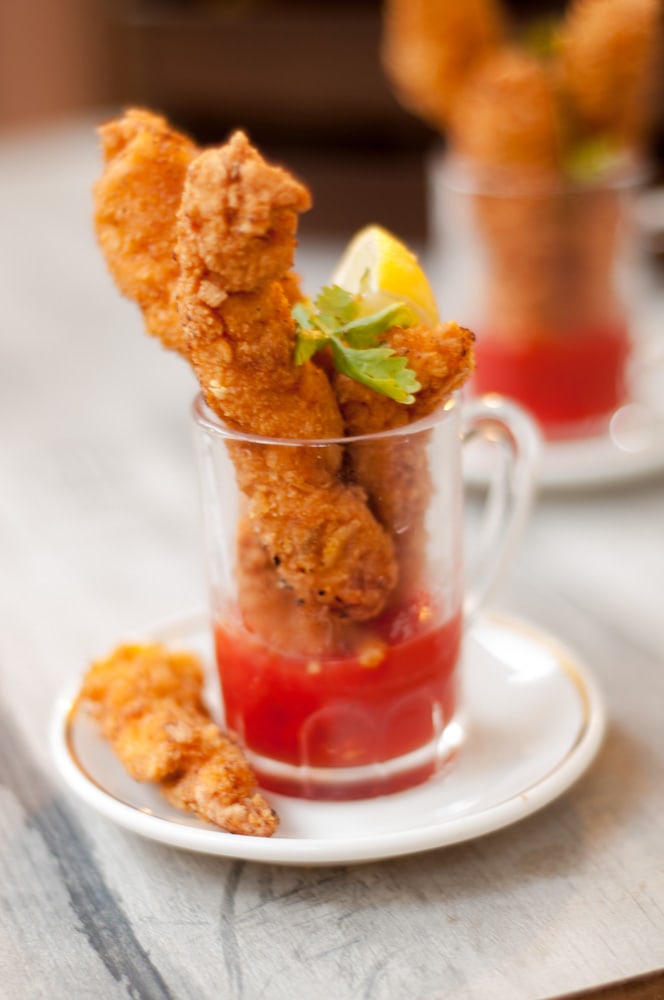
[(382, 270)]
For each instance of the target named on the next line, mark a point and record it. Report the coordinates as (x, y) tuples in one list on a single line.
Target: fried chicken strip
[(395, 472), (548, 257), (395, 475), (236, 239), (272, 611), (124, 683), (507, 116), (148, 703), (136, 201), (135, 217), (608, 57), (430, 47), (551, 261)]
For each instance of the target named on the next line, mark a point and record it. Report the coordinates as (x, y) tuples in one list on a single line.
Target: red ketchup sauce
[(342, 711), (570, 383)]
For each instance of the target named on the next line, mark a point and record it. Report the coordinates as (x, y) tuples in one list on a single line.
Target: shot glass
[(328, 706), (544, 271)]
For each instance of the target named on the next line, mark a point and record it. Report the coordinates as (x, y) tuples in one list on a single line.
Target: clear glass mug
[(544, 271), (335, 708)]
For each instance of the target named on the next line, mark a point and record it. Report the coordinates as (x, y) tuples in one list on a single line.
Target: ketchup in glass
[(364, 709), (571, 383)]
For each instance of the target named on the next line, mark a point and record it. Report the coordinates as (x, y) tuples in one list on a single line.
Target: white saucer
[(534, 721), (631, 447)]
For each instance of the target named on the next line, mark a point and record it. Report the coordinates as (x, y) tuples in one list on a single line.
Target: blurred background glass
[(304, 78)]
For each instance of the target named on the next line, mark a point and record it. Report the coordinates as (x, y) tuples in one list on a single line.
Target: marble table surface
[(99, 535)]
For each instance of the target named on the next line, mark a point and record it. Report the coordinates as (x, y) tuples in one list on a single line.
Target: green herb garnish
[(541, 36), (355, 341), (591, 159)]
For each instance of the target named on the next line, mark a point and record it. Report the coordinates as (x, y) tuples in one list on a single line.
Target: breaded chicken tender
[(551, 261), (135, 202), (395, 475), (148, 703), (430, 47), (395, 472), (273, 612), (219, 786), (507, 115), (458, 65), (608, 53), (441, 358), (236, 240), (124, 683)]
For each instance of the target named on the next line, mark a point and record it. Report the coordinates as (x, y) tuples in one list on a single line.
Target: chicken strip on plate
[(148, 702)]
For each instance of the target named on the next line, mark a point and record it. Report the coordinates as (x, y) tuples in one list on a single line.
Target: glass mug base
[(342, 784), (344, 726)]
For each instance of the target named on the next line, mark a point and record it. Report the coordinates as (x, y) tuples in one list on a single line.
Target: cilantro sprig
[(355, 341), (591, 158)]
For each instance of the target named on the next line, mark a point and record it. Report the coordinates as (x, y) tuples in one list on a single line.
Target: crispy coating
[(135, 675), (507, 115), (430, 47), (219, 786), (148, 702), (442, 359), (395, 472), (551, 261), (608, 57), (156, 737), (242, 352), (292, 288), (395, 475), (236, 239), (135, 203), (326, 544), (135, 215), (272, 611), (453, 63)]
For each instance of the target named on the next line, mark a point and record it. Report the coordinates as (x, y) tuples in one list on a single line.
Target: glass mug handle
[(508, 429)]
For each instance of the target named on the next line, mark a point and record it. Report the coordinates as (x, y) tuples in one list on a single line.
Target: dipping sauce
[(359, 718), (571, 383)]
